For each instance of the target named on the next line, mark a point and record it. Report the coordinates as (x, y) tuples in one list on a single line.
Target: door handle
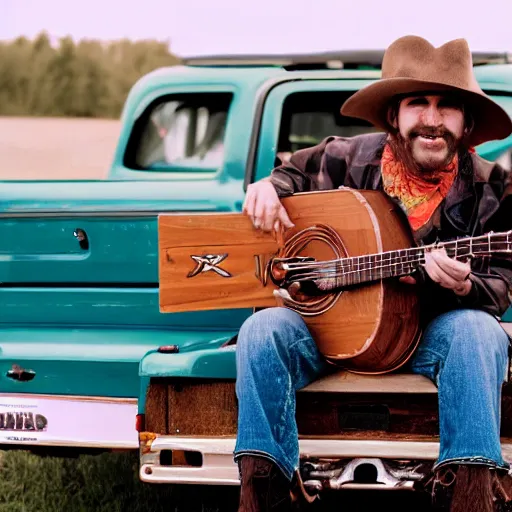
[(20, 374)]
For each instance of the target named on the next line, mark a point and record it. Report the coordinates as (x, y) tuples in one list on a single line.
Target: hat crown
[(415, 58), (411, 65)]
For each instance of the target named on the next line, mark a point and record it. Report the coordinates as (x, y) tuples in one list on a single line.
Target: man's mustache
[(431, 131)]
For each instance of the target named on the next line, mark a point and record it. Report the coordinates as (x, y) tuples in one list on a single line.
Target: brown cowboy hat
[(412, 65)]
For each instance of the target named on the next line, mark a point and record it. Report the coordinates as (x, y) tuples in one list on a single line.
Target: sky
[(201, 27)]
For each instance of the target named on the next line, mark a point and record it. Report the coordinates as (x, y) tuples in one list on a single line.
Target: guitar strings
[(333, 273), (412, 252), (344, 267)]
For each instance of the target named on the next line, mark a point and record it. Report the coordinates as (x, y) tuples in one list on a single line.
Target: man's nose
[(432, 116)]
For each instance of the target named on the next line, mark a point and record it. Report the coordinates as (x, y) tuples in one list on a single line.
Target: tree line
[(89, 78)]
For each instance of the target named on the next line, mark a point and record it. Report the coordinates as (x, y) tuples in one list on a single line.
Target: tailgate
[(79, 283), (91, 361), (95, 232), (79, 249)]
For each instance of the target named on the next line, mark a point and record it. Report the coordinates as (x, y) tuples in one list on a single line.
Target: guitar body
[(219, 261)]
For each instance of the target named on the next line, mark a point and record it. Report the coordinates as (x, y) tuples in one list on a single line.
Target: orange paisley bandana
[(418, 198)]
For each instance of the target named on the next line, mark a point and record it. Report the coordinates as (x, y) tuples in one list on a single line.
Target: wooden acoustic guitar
[(337, 267)]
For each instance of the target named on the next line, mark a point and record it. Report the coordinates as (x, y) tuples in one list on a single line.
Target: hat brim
[(371, 104)]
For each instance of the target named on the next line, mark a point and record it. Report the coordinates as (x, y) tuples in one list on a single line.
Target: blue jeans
[(464, 352)]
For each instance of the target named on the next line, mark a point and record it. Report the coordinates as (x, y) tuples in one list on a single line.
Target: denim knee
[(276, 344), (473, 333), (475, 329), (269, 331)]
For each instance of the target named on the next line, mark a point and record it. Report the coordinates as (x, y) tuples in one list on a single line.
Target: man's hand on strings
[(445, 271), (263, 206)]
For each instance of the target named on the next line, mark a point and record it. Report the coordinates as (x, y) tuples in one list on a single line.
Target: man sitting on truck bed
[(433, 113)]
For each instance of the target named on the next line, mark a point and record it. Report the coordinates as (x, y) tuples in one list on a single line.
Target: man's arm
[(320, 167), (492, 278), (491, 289), (486, 283), (482, 285), (307, 170)]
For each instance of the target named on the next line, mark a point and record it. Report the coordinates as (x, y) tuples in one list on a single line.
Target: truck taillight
[(140, 422)]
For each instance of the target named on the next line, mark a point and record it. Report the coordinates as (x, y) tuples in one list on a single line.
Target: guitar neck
[(373, 267)]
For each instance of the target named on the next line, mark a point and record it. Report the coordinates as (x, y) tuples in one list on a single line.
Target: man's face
[(431, 127)]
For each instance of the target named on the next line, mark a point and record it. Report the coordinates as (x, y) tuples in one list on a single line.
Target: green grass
[(100, 483), (110, 483)]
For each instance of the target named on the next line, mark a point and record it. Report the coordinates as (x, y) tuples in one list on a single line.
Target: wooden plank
[(347, 382), (191, 229), (210, 290), (202, 408), (156, 408)]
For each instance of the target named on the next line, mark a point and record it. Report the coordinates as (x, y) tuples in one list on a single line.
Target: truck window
[(301, 114), (181, 132), (309, 117)]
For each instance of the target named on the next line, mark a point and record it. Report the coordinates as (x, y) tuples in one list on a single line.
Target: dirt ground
[(56, 148)]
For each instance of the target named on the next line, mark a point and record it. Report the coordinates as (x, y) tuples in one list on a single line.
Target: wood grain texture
[(349, 382), (202, 408), (156, 408), (343, 331), (209, 408), (371, 328), (398, 332), (181, 236)]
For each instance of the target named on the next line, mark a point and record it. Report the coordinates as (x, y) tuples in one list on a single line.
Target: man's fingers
[(269, 216), (259, 211), (455, 269), (249, 203), (262, 205), (437, 274), (283, 217)]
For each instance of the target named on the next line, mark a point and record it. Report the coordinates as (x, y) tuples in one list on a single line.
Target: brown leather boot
[(471, 488), (264, 488)]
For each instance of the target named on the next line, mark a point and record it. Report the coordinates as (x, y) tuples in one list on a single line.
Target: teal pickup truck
[(87, 360)]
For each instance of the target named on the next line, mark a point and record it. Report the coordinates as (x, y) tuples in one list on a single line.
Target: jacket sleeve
[(320, 167), (492, 277), (491, 288)]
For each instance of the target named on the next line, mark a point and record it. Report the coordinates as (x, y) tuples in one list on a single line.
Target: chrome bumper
[(218, 468), (68, 421)]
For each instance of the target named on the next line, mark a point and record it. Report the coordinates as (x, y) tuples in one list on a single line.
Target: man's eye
[(450, 104), (418, 101)]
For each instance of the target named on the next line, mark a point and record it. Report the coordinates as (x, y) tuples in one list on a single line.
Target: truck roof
[(243, 70), (345, 59), (255, 74)]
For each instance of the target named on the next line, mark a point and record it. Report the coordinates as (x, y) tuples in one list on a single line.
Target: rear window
[(309, 117), (181, 132)]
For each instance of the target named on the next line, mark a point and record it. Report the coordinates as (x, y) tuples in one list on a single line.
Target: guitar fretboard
[(373, 267)]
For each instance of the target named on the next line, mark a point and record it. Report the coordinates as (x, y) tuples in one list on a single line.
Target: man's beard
[(403, 151)]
